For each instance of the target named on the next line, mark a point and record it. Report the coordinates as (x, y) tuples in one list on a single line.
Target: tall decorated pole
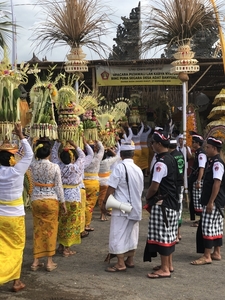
[(183, 65)]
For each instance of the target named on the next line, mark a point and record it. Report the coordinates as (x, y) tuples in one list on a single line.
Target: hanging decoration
[(10, 95), (43, 96)]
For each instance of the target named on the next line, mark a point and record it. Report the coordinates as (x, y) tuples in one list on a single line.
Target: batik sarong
[(69, 224), (144, 159), (12, 242), (138, 160), (83, 209), (92, 192), (45, 223), (102, 193)]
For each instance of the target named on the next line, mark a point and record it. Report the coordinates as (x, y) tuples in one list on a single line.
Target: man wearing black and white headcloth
[(162, 202), (210, 230), (126, 185)]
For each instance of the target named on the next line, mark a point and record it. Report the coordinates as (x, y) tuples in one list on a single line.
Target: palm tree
[(174, 22), (72, 22), (6, 26)]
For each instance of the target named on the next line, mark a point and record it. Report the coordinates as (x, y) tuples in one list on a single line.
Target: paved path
[(82, 276)]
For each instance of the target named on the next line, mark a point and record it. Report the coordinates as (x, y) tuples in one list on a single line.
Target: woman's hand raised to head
[(72, 143), (18, 130)]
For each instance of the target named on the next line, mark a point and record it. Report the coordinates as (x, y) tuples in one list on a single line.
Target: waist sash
[(102, 175), (44, 184), (90, 174), (68, 186), (15, 202)]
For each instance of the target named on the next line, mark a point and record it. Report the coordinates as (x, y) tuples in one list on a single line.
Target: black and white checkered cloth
[(158, 233), (212, 224), (196, 197), (180, 200)]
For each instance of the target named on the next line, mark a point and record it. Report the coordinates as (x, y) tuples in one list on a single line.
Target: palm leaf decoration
[(73, 22), (177, 21), (6, 26)]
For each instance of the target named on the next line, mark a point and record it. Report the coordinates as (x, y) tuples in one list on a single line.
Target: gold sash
[(90, 174), (102, 175), (67, 186), (15, 202), (44, 184)]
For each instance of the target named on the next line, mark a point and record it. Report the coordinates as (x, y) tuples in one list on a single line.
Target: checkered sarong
[(180, 200), (158, 233), (212, 224), (196, 194)]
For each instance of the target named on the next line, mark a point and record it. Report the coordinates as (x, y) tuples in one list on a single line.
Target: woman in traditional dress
[(88, 158), (91, 182), (137, 152), (12, 221), (145, 150), (46, 195), (72, 175), (109, 158)]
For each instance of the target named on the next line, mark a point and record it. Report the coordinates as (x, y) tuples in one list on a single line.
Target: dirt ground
[(83, 275)]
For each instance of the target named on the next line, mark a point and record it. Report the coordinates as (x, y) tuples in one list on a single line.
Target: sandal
[(156, 268), (84, 234), (194, 224), (68, 252), (60, 249), (201, 261), (36, 267), (89, 229), (51, 268)]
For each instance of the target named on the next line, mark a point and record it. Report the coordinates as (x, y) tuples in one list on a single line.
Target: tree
[(173, 22), (6, 26), (75, 23)]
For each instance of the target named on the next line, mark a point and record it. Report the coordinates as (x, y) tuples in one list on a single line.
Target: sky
[(27, 14)]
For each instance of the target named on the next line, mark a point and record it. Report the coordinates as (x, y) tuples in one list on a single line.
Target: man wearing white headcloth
[(181, 146), (126, 185)]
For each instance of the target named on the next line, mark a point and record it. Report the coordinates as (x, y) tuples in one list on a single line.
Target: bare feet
[(103, 217), (68, 252), (129, 263), (18, 285)]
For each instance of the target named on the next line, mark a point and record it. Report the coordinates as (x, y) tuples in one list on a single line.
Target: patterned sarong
[(69, 225), (92, 191), (196, 193), (138, 159), (161, 239), (12, 242), (179, 213), (83, 209), (144, 159), (102, 193), (45, 222), (212, 228)]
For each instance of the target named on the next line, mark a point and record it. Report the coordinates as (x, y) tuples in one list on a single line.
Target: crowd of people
[(69, 181)]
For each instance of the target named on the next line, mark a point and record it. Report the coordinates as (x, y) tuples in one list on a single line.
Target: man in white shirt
[(210, 229), (180, 146), (126, 184)]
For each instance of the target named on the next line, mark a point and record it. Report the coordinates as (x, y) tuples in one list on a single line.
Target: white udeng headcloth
[(127, 145)]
